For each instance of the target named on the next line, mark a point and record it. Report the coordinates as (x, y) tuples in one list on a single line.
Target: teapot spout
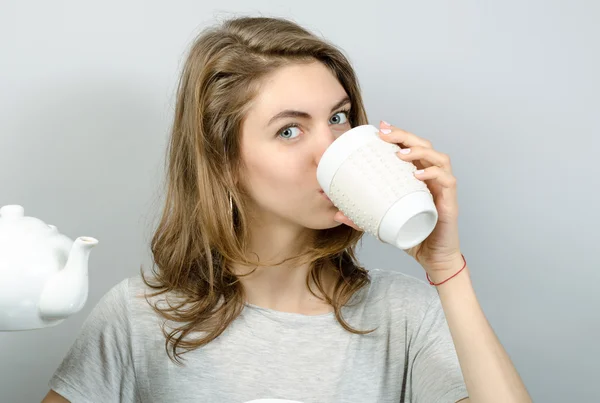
[(66, 292)]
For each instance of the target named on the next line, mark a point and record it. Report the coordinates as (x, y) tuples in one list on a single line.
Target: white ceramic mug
[(371, 185)]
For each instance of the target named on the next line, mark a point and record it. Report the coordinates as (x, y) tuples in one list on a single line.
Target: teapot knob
[(12, 211)]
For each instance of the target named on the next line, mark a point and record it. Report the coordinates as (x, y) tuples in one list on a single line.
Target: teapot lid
[(15, 226), (12, 211)]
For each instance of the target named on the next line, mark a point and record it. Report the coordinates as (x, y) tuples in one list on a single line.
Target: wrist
[(444, 271)]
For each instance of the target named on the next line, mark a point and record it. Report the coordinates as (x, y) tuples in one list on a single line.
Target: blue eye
[(288, 133), (339, 118)]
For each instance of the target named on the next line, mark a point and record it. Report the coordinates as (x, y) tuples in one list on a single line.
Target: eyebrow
[(289, 113)]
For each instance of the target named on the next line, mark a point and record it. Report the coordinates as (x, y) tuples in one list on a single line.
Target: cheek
[(287, 176)]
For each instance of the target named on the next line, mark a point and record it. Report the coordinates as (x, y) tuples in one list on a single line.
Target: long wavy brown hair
[(204, 225)]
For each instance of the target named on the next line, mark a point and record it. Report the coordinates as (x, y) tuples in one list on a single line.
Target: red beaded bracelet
[(454, 275)]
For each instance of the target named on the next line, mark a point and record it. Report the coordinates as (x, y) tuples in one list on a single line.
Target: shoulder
[(99, 364), (129, 291), (124, 300), (110, 314), (400, 285), (403, 295), (141, 301), (114, 301)]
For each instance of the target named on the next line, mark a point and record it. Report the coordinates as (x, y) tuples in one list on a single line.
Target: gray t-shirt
[(119, 354)]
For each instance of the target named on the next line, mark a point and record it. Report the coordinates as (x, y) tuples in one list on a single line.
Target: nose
[(323, 139)]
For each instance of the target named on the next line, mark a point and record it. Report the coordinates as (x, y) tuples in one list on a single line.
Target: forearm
[(489, 373)]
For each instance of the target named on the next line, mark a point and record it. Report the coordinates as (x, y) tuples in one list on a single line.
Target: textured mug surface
[(365, 179)]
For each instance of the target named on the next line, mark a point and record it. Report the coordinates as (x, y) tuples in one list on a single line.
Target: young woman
[(256, 292)]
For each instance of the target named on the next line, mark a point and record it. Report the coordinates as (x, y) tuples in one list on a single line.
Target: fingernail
[(386, 124), (404, 150), (419, 172), (385, 131)]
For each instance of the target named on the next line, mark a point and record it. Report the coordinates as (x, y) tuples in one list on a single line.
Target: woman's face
[(299, 111)]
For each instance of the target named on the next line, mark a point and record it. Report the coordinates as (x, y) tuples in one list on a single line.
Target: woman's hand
[(440, 252)]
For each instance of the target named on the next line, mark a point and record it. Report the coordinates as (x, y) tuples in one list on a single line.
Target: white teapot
[(43, 274)]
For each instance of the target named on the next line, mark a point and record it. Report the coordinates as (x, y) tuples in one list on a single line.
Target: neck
[(282, 286)]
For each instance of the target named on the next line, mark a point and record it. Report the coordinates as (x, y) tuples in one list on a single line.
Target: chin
[(324, 227), (324, 223)]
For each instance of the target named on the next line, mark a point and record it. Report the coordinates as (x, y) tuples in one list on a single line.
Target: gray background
[(508, 88)]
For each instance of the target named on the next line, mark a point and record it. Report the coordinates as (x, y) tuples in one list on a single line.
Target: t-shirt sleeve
[(99, 366), (436, 373)]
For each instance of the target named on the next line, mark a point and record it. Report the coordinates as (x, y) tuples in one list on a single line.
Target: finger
[(341, 218), (395, 135), (428, 155), (444, 178)]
